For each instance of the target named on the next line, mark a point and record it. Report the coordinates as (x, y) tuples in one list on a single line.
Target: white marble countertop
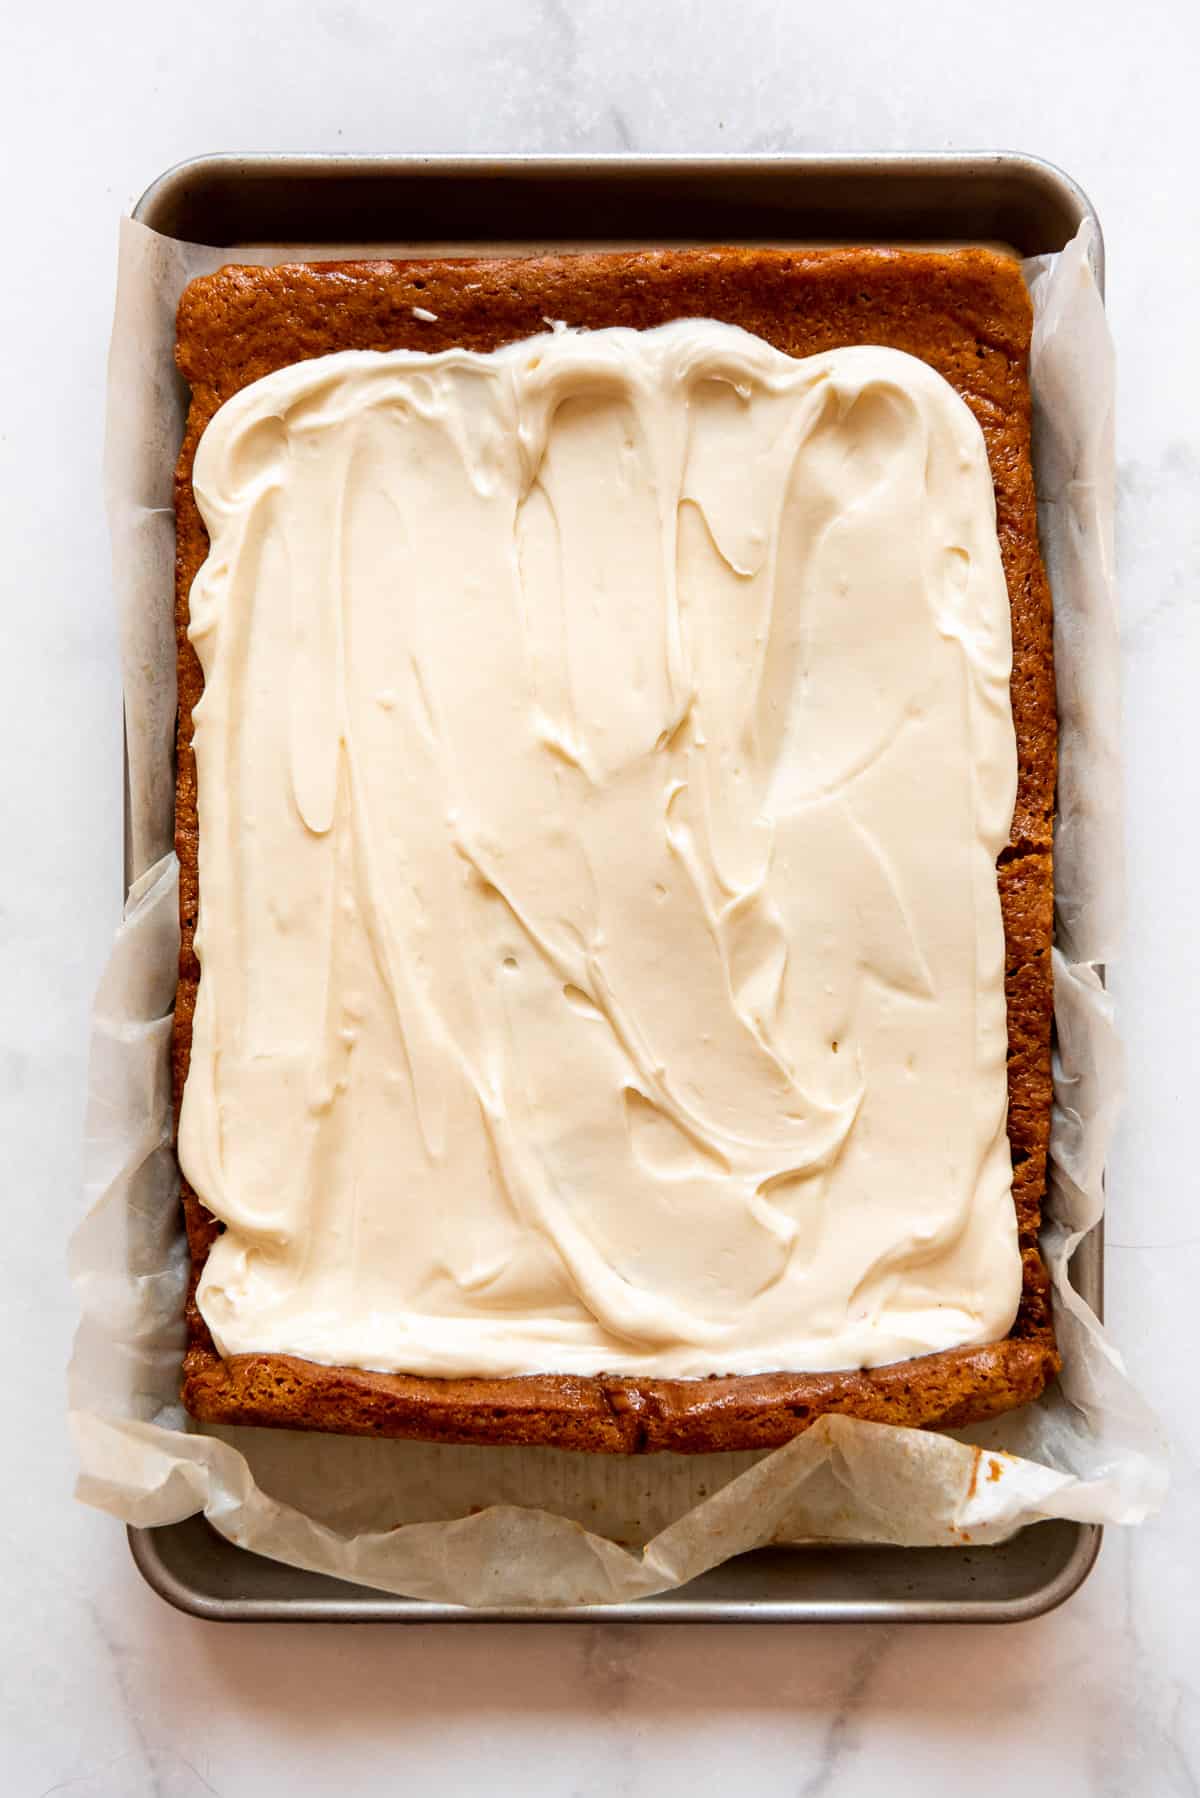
[(103, 1689)]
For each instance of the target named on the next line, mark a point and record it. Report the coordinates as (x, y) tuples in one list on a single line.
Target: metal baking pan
[(531, 203)]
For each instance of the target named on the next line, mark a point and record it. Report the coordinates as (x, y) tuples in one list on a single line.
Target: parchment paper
[(538, 1526)]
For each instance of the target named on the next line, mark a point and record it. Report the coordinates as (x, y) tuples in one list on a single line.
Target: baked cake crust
[(964, 312)]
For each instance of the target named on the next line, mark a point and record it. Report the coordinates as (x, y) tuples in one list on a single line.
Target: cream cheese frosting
[(604, 754)]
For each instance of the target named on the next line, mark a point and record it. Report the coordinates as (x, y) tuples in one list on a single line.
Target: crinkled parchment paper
[(539, 1526)]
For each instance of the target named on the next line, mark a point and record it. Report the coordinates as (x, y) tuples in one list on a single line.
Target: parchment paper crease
[(504, 1526)]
